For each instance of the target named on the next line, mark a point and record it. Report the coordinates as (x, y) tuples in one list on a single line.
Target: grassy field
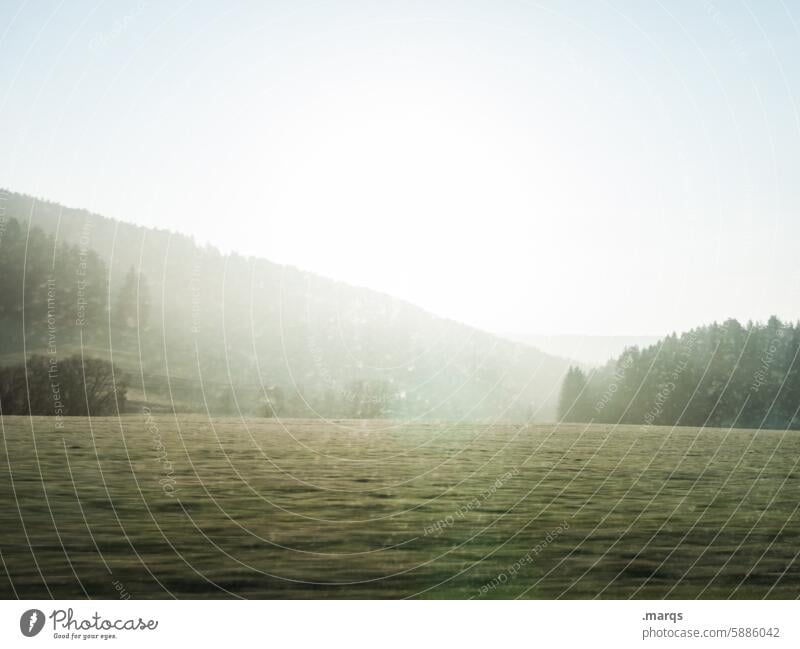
[(187, 507)]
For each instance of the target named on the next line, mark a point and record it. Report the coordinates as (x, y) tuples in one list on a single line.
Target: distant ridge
[(585, 350)]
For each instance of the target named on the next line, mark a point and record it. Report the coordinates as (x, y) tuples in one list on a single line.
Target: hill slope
[(202, 329)]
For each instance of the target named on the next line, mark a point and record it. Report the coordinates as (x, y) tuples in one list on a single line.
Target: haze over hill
[(585, 349), (204, 330)]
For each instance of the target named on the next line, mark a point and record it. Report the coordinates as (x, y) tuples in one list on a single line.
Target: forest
[(719, 375), (165, 324), (184, 328), (192, 329)]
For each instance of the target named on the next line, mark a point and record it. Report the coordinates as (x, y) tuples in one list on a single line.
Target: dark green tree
[(573, 404)]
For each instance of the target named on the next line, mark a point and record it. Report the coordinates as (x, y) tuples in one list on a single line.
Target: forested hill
[(729, 374), (197, 329)]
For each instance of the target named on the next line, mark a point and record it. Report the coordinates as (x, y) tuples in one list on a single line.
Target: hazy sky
[(550, 167)]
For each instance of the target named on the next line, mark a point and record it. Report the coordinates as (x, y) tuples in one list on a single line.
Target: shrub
[(71, 387)]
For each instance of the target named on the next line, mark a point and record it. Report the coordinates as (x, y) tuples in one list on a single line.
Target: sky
[(603, 168)]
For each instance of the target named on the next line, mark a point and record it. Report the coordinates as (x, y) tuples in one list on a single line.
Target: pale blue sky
[(551, 167)]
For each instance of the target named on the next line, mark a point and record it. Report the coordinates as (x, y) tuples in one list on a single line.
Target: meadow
[(159, 506)]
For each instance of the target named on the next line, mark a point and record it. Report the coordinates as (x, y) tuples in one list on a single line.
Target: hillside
[(198, 329)]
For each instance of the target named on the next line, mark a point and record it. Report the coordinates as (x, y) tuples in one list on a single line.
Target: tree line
[(721, 375)]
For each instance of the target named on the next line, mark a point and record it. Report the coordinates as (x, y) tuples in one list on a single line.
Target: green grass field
[(189, 508)]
